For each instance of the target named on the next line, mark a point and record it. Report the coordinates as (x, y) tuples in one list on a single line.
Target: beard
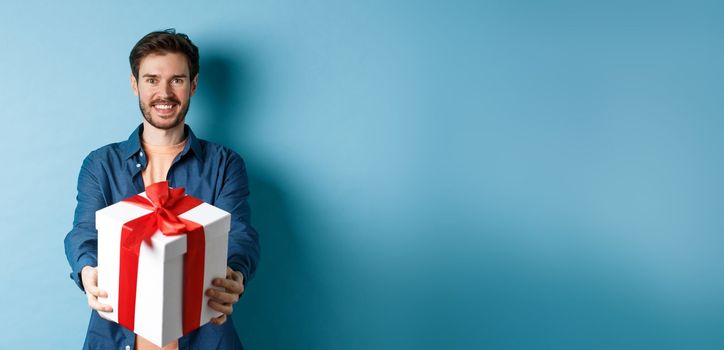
[(178, 119)]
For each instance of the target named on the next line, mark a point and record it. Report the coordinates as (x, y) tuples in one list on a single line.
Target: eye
[(151, 81), (178, 81)]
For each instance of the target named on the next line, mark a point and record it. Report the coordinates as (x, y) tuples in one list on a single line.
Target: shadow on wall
[(284, 296)]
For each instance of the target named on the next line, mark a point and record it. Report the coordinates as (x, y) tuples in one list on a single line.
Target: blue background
[(424, 174)]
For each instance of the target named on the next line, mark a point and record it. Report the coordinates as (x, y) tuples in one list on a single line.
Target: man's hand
[(223, 301), (89, 276)]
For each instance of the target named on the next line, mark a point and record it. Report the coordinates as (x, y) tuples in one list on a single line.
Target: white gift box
[(159, 289)]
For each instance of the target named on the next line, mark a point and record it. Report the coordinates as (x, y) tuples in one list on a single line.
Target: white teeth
[(164, 106)]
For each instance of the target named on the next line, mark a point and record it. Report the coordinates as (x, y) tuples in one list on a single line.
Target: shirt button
[(128, 347), (138, 165), (141, 153)]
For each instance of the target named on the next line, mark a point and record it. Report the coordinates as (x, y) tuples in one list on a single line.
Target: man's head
[(164, 75)]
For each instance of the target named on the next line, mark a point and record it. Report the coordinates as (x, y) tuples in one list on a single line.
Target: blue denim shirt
[(208, 171)]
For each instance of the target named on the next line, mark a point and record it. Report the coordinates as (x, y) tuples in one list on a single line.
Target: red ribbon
[(166, 204)]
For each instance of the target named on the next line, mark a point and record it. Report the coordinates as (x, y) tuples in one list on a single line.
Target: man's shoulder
[(109, 151), (213, 150)]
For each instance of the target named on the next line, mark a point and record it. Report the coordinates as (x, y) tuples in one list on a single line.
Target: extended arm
[(243, 239), (81, 243)]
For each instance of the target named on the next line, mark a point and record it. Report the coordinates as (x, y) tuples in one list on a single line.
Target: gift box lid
[(205, 214)]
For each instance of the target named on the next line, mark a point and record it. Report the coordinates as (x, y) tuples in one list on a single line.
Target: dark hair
[(162, 42)]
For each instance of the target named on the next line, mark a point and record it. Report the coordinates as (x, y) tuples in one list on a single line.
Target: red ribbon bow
[(166, 205)]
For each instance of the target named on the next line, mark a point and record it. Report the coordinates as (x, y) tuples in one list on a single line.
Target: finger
[(221, 296), (234, 275), (239, 278), (224, 308), (96, 292), (218, 320), (231, 286), (92, 290), (93, 276), (90, 281), (94, 304)]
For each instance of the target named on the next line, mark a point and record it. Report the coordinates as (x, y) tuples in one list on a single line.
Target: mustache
[(166, 100)]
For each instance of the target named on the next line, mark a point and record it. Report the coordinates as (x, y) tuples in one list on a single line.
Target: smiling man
[(164, 76)]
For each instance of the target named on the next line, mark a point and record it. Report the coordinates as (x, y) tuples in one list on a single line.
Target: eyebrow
[(156, 76)]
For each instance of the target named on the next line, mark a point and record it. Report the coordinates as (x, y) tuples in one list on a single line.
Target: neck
[(161, 137)]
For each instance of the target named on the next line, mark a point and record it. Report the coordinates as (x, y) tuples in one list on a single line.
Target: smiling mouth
[(164, 108)]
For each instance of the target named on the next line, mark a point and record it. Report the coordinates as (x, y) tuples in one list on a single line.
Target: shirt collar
[(133, 144)]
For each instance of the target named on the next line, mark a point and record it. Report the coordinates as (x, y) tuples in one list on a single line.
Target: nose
[(165, 91)]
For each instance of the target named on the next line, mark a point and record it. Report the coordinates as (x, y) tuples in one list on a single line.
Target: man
[(164, 76)]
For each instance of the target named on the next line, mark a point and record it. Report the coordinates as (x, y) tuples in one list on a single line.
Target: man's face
[(164, 89)]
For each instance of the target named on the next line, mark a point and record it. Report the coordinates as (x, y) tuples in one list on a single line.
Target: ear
[(134, 85), (194, 83)]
